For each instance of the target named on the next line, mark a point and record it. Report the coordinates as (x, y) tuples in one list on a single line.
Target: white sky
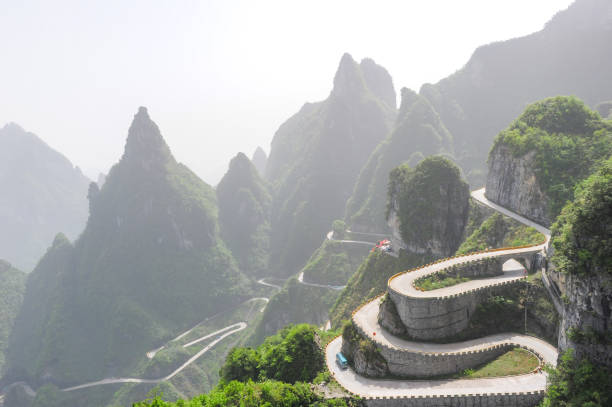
[(220, 76)]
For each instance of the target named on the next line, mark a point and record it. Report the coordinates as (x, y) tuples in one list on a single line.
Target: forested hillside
[(317, 154), (244, 215), (149, 264), (569, 56), (418, 132)]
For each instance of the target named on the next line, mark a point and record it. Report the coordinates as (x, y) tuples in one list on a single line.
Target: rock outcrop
[(428, 207), (512, 184), (259, 160), (587, 322)]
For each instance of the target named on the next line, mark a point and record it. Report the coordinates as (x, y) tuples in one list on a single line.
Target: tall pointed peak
[(259, 160), (379, 81), (348, 79), (408, 98), (145, 143)]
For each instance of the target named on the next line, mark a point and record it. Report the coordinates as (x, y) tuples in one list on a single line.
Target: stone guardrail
[(465, 255), (519, 399), (522, 399), (410, 363)]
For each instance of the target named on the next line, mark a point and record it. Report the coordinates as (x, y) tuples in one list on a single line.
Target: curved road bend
[(111, 380), (227, 331), (367, 318), (366, 387), (151, 354)]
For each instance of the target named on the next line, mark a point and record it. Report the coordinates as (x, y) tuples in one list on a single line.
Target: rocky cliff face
[(428, 207), (512, 183), (587, 323)]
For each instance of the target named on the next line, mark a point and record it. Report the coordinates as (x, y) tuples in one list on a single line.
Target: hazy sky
[(220, 76)]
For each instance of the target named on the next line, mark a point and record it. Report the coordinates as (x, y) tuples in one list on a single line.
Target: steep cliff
[(149, 264), (418, 132), (41, 194), (569, 56), (536, 162), (316, 156), (244, 215), (259, 160), (582, 247), (428, 207)]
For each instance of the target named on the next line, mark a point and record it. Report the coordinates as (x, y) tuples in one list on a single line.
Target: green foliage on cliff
[(417, 133), (149, 264), (370, 280), (499, 231), (335, 262), (295, 303), (578, 383), (244, 214), (569, 140), (431, 202), (569, 56), (291, 355), (12, 287), (251, 394), (581, 234), (316, 157)]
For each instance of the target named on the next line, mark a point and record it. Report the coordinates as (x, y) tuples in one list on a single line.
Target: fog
[(219, 76)]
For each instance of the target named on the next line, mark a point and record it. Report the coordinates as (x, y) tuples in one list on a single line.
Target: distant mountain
[(259, 160), (12, 286), (570, 56), (41, 194), (316, 157), (149, 264), (418, 132), (244, 215)]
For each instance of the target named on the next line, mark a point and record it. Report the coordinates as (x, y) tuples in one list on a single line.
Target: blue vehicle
[(341, 360)]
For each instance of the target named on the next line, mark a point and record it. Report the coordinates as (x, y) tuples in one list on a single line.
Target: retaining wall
[(526, 399), (403, 363), (441, 317)]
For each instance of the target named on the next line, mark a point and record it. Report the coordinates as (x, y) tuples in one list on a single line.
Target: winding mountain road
[(366, 318)]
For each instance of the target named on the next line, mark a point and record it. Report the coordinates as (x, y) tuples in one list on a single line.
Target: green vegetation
[(12, 288), (418, 132), (499, 231), (569, 56), (439, 280), (432, 204), (578, 383), (569, 140), (244, 215), (273, 374), (514, 362), (581, 234), (295, 303), (316, 157), (335, 262), (251, 394), (505, 312), (357, 343), (339, 229), (150, 264), (291, 355), (370, 280)]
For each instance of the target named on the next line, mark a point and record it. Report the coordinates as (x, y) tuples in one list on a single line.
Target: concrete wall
[(422, 365), (527, 399), (441, 317)]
